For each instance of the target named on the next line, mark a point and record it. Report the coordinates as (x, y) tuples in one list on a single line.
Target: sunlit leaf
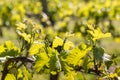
[(68, 45), (57, 42), (71, 75), (35, 48), (112, 75), (75, 55), (27, 74), (42, 60), (9, 44), (2, 49), (90, 26), (21, 26), (9, 49), (98, 34), (27, 37), (20, 74), (10, 77)]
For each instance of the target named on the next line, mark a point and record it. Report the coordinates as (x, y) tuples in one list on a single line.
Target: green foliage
[(9, 49), (60, 40), (63, 55), (36, 48), (75, 56), (57, 42), (98, 53), (42, 60), (10, 77), (97, 33)]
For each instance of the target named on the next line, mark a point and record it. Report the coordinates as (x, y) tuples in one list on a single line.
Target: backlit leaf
[(20, 75), (27, 74), (54, 63), (8, 49), (71, 75), (75, 55), (2, 49), (68, 45), (98, 34), (57, 42), (21, 26), (35, 48), (42, 60), (10, 77), (27, 37)]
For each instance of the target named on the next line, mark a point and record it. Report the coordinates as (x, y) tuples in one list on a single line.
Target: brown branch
[(90, 70), (15, 59)]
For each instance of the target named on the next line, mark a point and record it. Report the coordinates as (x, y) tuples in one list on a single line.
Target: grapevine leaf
[(98, 53), (57, 42), (108, 63), (42, 60), (8, 49), (112, 76), (68, 45), (55, 63), (27, 74), (10, 77), (2, 49), (66, 68), (26, 37), (35, 48), (20, 75), (98, 34), (21, 26), (75, 55), (90, 26), (71, 75), (9, 44)]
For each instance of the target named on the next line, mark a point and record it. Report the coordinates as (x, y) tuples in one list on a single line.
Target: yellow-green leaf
[(68, 45), (90, 26), (98, 34), (27, 74), (57, 42), (9, 44), (35, 48), (20, 75), (21, 26), (2, 49), (10, 77), (71, 75), (75, 55), (26, 37), (41, 61)]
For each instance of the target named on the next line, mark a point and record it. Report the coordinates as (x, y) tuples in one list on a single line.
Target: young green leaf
[(75, 56), (98, 53), (41, 61), (9, 49), (35, 48), (57, 42), (68, 45), (98, 34), (21, 26), (2, 49), (27, 74), (10, 77), (71, 75)]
